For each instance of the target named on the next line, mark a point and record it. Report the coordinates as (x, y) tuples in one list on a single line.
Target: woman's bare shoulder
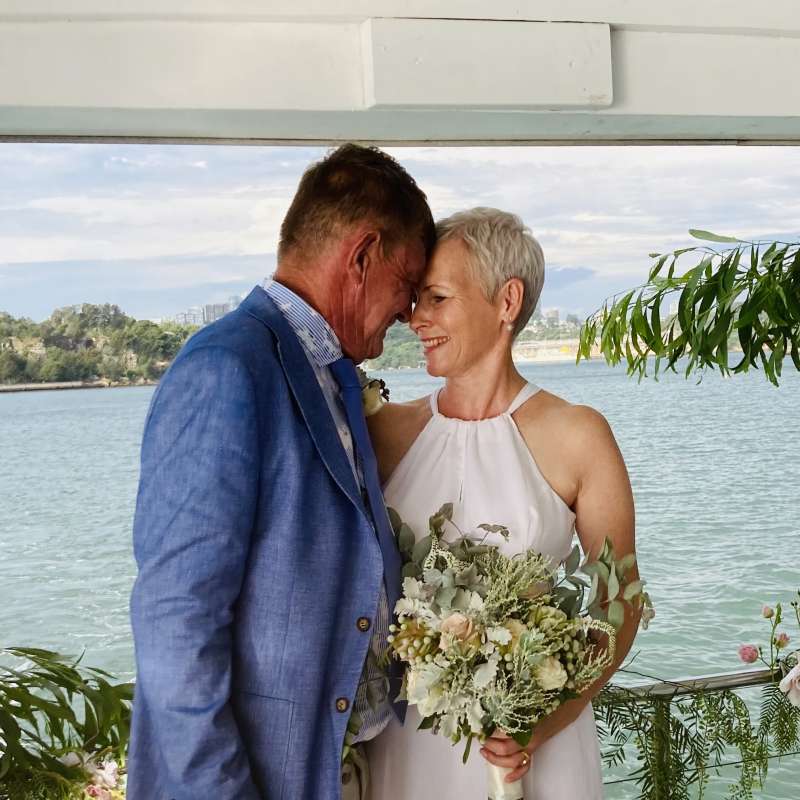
[(393, 430), (570, 423)]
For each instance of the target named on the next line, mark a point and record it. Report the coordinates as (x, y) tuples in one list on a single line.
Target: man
[(266, 565)]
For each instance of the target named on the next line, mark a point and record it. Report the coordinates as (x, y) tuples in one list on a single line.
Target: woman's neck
[(486, 390)]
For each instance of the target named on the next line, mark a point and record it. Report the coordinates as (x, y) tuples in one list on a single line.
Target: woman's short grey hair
[(500, 247)]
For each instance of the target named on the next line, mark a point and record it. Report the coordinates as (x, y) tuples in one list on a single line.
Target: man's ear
[(363, 254)]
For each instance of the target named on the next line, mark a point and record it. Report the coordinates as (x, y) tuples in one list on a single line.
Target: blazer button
[(363, 624), (342, 704)]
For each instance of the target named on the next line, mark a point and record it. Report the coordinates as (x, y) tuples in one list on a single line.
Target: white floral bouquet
[(496, 642)]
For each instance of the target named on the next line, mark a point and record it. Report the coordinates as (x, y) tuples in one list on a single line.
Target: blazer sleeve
[(194, 518)]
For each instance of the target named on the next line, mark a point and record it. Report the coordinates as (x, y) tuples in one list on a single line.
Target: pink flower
[(790, 685), (98, 792), (767, 612), (748, 653), (781, 640)]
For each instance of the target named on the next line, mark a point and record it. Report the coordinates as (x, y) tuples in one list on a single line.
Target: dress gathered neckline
[(522, 396)]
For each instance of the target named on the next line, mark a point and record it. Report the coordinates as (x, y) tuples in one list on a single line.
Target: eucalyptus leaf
[(445, 595), (616, 614), (632, 590), (612, 587), (411, 570), (572, 560), (405, 539), (421, 549)]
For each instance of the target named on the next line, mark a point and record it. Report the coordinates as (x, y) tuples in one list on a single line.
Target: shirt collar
[(310, 327)]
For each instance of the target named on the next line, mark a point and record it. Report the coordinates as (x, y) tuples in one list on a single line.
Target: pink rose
[(99, 792), (767, 612), (790, 685), (781, 640), (458, 626), (748, 653)]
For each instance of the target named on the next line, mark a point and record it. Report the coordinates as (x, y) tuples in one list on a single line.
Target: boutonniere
[(374, 393)]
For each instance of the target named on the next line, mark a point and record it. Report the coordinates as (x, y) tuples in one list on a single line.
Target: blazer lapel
[(307, 392)]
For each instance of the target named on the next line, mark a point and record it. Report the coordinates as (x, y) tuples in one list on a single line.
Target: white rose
[(790, 685), (550, 674), (432, 703)]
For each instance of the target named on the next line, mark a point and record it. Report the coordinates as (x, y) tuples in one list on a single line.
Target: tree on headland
[(84, 343), (12, 367)]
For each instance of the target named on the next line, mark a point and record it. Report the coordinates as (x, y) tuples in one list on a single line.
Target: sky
[(158, 228)]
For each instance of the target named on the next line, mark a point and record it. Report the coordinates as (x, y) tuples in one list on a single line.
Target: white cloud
[(593, 208), (173, 223)]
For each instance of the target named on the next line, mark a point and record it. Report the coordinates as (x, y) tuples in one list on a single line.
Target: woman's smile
[(431, 344)]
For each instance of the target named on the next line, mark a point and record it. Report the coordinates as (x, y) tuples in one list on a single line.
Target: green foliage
[(12, 367), (86, 342), (50, 706), (747, 295), (401, 348), (678, 743)]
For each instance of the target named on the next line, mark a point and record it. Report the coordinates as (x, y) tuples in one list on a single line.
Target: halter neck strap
[(524, 394)]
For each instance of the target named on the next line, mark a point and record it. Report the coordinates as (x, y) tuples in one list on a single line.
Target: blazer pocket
[(266, 727)]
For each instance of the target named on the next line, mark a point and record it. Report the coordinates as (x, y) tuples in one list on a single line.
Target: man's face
[(383, 297)]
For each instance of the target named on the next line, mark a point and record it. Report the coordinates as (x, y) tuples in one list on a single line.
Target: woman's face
[(457, 325)]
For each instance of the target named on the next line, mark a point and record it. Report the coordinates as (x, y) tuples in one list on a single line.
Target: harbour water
[(714, 467)]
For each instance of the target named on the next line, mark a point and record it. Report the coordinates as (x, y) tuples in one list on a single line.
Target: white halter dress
[(487, 471)]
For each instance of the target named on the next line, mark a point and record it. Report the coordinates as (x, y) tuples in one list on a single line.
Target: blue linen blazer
[(256, 560)]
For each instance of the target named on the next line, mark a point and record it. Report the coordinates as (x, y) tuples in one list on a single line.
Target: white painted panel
[(164, 65), (706, 74), (480, 64)]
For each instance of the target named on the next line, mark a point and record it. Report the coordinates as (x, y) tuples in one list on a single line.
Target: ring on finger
[(525, 760)]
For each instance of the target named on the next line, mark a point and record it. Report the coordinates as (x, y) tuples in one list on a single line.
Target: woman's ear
[(512, 294)]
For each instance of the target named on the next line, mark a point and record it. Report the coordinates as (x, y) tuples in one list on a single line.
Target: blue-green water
[(714, 467)]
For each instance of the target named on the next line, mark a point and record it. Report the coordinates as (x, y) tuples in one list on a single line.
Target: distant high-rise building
[(234, 301), (551, 316), (194, 316), (215, 311)]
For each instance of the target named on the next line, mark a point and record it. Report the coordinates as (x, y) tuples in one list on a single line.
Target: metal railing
[(741, 679), (708, 683)]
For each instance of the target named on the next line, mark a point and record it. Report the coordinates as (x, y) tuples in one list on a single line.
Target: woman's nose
[(418, 317)]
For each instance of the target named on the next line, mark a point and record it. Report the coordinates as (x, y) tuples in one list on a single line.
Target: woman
[(503, 451)]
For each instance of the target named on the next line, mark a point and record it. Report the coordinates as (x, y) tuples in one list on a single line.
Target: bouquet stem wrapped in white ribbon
[(498, 787), (493, 642)]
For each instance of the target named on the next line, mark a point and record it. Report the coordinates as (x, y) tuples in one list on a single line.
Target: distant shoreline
[(67, 385)]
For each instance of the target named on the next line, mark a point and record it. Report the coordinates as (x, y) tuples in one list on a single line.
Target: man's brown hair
[(354, 183)]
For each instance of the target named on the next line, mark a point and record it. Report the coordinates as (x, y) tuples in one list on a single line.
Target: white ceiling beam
[(781, 17)]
